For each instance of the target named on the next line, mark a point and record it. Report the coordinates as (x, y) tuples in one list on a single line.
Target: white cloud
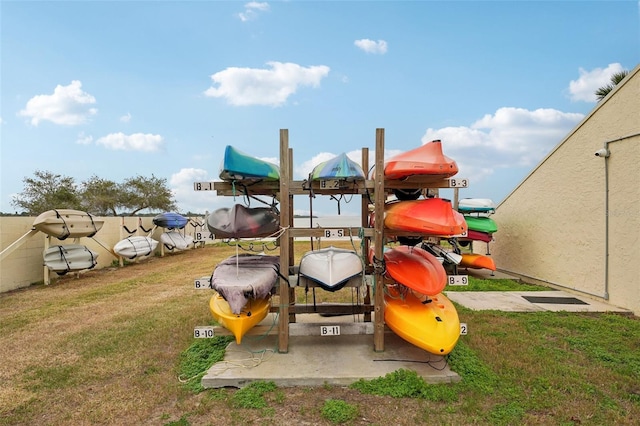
[(2, 121), (68, 105), (252, 86), (181, 184), (134, 142), (584, 88), (84, 139), (126, 118), (371, 46), (252, 9), (509, 138)]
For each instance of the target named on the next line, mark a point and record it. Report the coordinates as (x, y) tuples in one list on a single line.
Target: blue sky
[(118, 89)]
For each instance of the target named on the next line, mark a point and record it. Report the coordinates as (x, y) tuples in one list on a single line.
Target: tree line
[(101, 197)]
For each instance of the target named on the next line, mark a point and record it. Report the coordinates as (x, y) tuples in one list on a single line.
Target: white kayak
[(330, 267), (72, 257), (135, 246), (175, 240), (65, 223), (476, 205)]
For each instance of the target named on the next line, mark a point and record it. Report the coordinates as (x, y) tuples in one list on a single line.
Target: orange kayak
[(415, 268), (477, 261), (433, 216), (432, 325), (427, 159)]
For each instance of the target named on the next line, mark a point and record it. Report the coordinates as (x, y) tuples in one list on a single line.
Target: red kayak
[(415, 268), (485, 237), (427, 159), (433, 216)]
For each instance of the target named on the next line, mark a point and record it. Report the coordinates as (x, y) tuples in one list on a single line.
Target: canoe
[(65, 223), (175, 240), (433, 216), (239, 323), (340, 167), (431, 325), (426, 160), (472, 205), (236, 165), (331, 268), (481, 224), (243, 277), (170, 220), (477, 261), (133, 247), (414, 268), (243, 222), (71, 257)]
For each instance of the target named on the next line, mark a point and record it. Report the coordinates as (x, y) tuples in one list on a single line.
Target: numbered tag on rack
[(202, 283), (333, 233), (203, 332), (458, 182), (202, 236), (203, 186), (463, 329), (457, 280), (330, 184), (329, 330)]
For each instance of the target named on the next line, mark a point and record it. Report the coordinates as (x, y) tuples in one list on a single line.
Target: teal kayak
[(237, 165), (481, 223), (339, 167)]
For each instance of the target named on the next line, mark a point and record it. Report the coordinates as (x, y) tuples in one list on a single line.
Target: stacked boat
[(415, 307), (244, 283), (481, 227), (172, 238), (63, 224)]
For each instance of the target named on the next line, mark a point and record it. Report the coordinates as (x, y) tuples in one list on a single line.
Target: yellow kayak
[(252, 313), (430, 325)]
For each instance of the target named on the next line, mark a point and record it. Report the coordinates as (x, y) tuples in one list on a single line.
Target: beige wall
[(555, 226), (24, 266)]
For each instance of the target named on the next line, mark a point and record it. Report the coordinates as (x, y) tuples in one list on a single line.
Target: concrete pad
[(506, 301), (314, 360), (512, 301)]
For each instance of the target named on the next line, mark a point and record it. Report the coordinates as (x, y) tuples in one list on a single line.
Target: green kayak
[(237, 165), (481, 223)]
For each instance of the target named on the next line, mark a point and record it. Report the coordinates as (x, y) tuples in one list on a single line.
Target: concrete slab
[(314, 360), (512, 301)]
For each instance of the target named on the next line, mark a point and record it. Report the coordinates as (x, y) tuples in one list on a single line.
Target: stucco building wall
[(556, 226)]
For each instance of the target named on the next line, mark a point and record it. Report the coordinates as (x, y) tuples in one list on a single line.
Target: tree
[(139, 193), (100, 196), (47, 191), (616, 78)]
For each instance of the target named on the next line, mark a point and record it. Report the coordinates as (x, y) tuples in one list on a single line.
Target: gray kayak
[(247, 276)]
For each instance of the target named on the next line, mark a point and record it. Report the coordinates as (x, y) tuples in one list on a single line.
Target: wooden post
[(47, 273), (283, 309), (378, 330), (364, 222)]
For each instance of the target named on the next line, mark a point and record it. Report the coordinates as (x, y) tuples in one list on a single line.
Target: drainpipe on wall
[(605, 153)]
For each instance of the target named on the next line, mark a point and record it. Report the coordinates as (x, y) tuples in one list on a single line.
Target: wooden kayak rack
[(374, 191)]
